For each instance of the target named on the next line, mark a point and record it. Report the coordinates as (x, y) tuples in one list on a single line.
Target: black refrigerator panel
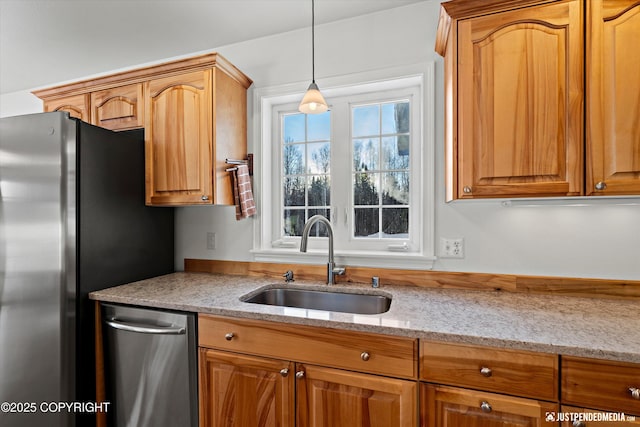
[(120, 240)]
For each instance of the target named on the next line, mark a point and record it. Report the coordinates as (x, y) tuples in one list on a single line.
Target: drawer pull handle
[(486, 372), (635, 392), (365, 356), (485, 407), (300, 374), (229, 336), (284, 372), (578, 424)]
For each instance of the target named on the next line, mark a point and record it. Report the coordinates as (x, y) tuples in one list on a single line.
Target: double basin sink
[(322, 300)]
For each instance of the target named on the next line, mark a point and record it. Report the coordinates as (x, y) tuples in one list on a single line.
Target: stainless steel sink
[(322, 300)]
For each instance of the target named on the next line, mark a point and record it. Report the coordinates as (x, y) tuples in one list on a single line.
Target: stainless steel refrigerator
[(72, 220)]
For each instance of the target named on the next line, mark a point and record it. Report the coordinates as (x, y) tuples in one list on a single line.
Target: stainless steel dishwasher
[(151, 367)]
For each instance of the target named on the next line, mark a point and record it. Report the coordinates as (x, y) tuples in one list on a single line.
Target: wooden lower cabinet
[(444, 406), (335, 398), (242, 391), (238, 390)]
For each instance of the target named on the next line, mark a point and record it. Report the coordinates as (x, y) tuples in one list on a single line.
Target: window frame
[(269, 102)]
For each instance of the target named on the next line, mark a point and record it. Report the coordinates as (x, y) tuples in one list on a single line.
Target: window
[(366, 165)]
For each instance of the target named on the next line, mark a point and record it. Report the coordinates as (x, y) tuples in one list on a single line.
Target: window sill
[(404, 260)]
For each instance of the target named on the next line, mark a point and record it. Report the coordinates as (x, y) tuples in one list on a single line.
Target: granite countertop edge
[(571, 326)]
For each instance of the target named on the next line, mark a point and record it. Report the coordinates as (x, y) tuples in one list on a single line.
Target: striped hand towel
[(242, 194)]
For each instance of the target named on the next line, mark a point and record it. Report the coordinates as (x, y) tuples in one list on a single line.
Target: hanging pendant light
[(313, 102)]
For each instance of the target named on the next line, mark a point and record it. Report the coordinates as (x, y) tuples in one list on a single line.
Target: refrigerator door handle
[(144, 329)]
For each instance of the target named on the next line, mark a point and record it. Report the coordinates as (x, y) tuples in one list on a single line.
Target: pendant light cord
[(313, 43)]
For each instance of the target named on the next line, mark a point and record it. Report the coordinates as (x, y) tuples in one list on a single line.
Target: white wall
[(589, 241)]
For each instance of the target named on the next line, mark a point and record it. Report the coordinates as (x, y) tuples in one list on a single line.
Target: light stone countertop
[(587, 327)]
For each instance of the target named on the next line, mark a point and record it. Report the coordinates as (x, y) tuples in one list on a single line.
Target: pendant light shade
[(313, 102)]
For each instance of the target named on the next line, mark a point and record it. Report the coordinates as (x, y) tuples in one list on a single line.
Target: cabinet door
[(178, 139), (337, 398), (118, 108), (520, 91), (77, 106), (456, 407), (613, 97), (240, 391)]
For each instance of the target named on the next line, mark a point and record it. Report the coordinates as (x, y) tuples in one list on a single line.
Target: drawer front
[(359, 351), (574, 416), (601, 384), (520, 373)]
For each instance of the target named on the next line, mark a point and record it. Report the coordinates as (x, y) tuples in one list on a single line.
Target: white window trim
[(287, 251)]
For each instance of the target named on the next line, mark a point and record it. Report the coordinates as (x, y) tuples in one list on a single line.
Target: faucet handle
[(288, 276), (339, 270)]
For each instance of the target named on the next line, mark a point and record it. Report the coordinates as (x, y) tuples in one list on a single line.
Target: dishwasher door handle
[(143, 329)]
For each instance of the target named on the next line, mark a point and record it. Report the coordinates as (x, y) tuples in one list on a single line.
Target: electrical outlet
[(211, 240), (452, 248)]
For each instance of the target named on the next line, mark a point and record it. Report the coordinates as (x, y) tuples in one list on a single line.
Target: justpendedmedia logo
[(588, 417)]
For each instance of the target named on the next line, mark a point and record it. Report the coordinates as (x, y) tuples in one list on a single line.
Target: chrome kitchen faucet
[(332, 270)]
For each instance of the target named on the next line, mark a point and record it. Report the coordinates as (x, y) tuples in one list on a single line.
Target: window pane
[(366, 222), (395, 118), (365, 189), (366, 120), (319, 157), (365, 154), (319, 127), (395, 152), (319, 230), (395, 188), (294, 191), (293, 222), (395, 222), (294, 128), (319, 191), (293, 159)]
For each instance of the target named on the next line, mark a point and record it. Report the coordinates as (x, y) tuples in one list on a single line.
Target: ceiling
[(43, 42)]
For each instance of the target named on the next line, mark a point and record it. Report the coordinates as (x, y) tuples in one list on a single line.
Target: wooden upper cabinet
[(193, 111), (514, 89), (76, 105), (118, 108), (613, 97), (178, 139)]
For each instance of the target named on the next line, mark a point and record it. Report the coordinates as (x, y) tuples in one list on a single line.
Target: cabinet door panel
[(77, 106), (179, 139), (118, 108), (455, 407), (331, 397), (520, 102), (239, 391), (613, 99)]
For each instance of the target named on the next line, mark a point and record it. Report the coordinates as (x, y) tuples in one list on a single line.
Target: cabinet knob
[(284, 372), (485, 407), (229, 336), (635, 392), (300, 374), (365, 356), (601, 186), (486, 372), (205, 198), (466, 189), (578, 424)]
